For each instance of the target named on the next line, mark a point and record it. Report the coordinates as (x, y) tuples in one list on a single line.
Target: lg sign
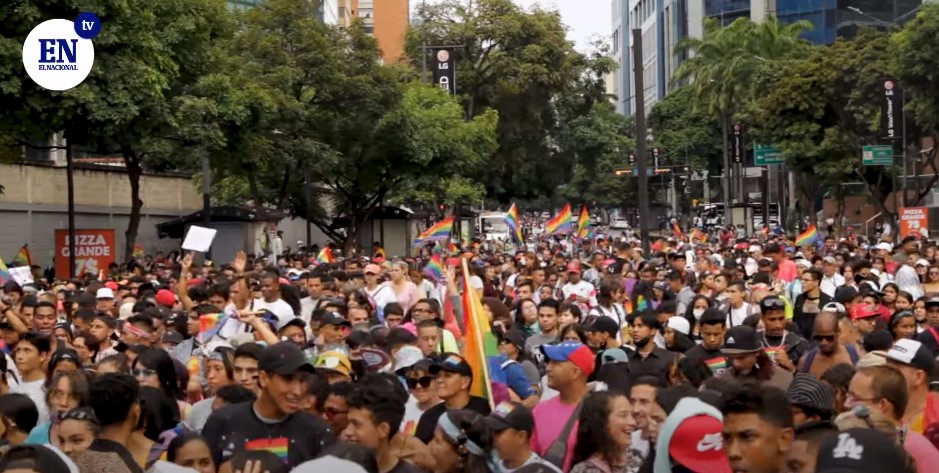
[(58, 54)]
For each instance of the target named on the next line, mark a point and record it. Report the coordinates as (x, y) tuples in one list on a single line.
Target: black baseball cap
[(173, 337), (511, 415), (604, 324), (515, 337), (741, 340), (913, 353), (283, 358), (860, 451), (332, 318), (451, 363), (35, 457)]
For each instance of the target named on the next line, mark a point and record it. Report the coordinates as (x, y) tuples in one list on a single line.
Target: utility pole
[(206, 197), (640, 98), (725, 182)]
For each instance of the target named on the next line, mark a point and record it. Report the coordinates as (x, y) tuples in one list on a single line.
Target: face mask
[(698, 313), (642, 342)]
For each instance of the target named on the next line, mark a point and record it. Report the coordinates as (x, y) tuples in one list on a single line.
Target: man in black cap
[(930, 336), (512, 425), (274, 422), (453, 379), (861, 451), (918, 366), (749, 361), (783, 347)]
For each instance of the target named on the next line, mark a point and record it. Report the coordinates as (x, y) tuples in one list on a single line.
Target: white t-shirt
[(382, 295), (737, 316), (37, 392), (581, 289), (281, 309), (412, 415), (307, 306)]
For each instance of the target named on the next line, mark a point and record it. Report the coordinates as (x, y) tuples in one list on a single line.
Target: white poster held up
[(199, 238), (22, 275)]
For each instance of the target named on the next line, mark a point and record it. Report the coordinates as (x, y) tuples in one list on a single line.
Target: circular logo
[(888, 85), (87, 25), (443, 55), (55, 57)]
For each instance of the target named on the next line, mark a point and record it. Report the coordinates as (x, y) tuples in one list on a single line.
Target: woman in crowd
[(77, 430), (155, 368), (189, 450), (693, 313), (462, 443), (423, 395), (18, 416), (569, 313), (66, 390), (902, 325), (526, 317), (86, 346), (604, 434)]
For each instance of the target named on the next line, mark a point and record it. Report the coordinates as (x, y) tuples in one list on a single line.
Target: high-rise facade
[(387, 20)]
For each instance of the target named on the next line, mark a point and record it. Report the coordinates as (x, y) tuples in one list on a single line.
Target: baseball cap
[(283, 358), (575, 352), (913, 353), (612, 356), (372, 269), (334, 361), (104, 293), (863, 311), (933, 301), (44, 458), (111, 285), (172, 336), (407, 356), (741, 340), (830, 260), (375, 359), (806, 390), (515, 337), (845, 294), (573, 267), (836, 307), (511, 415), (696, 441), (604, 324), (328, 463), (679, 324), (451, 363), (165, 297), (860, 451), (884, 246), (332, 318)]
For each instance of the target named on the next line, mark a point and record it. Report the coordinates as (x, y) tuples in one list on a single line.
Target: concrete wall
[(35, 203)]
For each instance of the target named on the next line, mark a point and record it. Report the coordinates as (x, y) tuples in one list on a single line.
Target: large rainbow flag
[(438, 231), (583, 222), (434, 268), (808, 236), (511, 221), (481, 350), (209, 325), (23, 257), (561, 223)]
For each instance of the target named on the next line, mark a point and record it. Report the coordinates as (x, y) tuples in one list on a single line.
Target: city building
[(386, 19), (329, 12)]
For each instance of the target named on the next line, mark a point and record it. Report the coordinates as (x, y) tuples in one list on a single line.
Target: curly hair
[(592, 435)]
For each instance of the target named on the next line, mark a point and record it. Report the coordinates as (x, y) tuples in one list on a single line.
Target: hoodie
[(687, 407)]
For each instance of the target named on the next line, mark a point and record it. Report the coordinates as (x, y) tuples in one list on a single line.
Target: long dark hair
[(592, 436), (160, 361)]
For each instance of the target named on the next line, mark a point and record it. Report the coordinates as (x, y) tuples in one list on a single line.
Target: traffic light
[(621, 172)]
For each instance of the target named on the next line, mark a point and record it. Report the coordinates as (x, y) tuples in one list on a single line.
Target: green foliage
[(918, 67), (683, 131)]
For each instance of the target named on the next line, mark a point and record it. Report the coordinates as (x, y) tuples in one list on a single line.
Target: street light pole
[(641, 141)]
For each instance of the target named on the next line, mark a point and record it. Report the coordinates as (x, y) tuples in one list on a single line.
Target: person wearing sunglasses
[(783, 347), (829, 351), (423, 395)]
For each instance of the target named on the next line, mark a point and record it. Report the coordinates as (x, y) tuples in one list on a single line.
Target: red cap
[(863, 311), (573, 267), (196, 281), (165, 297), (697, 445), (111, 285)]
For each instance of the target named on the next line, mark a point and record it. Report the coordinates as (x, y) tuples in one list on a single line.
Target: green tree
[(685, 134)]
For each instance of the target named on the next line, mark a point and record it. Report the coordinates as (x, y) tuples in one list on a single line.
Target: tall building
[(386, 19)]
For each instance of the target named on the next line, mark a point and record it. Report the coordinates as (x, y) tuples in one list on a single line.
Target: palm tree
[(722, 67)]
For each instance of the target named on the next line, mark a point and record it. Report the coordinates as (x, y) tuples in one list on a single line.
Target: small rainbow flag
[(325, 256), (439, 231), (676, 230), (717, 365), (481, 351), (192, 365), (23, 257), (453, 249), (434, 268), (4, 272), (808, 236), (583, 222), (696, 235), (561, 223), (209, 325), (511, 221)]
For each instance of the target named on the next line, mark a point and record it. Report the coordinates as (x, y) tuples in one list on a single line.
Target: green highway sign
[(877, 155), (764, 155)]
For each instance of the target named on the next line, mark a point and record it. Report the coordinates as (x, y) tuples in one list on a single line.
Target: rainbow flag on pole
[(481, 350), (209, 325), (325, 256), (583, 222), (23, 257), (561, 223), (808, 236), (438, 231), (511, 221), (434, 268), (676, 230), (4, 272)]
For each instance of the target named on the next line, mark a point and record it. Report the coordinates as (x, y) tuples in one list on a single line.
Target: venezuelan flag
[(561, 223), (434, 268), (4, 272), (325, 256), (481, 350), (808, 236), (583, 222), (23, 257), (209, 325), (511, 221), (439, 231)]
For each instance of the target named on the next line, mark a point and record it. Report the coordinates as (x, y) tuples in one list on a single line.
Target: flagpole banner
[(94, 251), (445, 69)]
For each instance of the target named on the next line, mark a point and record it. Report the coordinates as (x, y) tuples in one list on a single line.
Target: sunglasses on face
[(142, 372), (825, 338), (423, 381)]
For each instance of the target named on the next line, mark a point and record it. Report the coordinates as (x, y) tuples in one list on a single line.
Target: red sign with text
[(913, 221), (94, 251)]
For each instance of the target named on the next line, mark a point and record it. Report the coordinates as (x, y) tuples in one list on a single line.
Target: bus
[(491, 226)]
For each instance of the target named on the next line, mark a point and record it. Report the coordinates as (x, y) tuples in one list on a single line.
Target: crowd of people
[(747, 355)]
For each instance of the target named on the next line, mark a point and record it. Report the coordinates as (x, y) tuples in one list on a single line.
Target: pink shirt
[(550, 417), (787, 271), (923, 451)]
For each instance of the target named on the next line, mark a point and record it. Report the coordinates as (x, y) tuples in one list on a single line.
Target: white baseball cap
[(679, 324), (104, 293), (407, 356)]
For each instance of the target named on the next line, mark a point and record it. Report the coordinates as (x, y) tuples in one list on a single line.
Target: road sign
[(877, 155), (764, 155)]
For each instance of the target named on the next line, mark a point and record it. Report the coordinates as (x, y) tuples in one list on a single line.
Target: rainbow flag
[(453, 249), (209, 325), (511, 221), (697, 235), (434, 268), (4, 273), (583, 222), (325, 256), (23, 257), (439, 231), (676, 230), (561, 223), (481, 350), (808, 236)]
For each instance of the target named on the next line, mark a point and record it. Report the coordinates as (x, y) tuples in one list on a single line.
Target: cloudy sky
[(584, 18)]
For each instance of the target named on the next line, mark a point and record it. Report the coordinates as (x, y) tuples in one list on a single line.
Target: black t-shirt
[(428, 423), (716, 361), (296, 439), (405, 467)]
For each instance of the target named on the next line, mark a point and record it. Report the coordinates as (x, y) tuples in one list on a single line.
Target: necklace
[(768, 345)]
